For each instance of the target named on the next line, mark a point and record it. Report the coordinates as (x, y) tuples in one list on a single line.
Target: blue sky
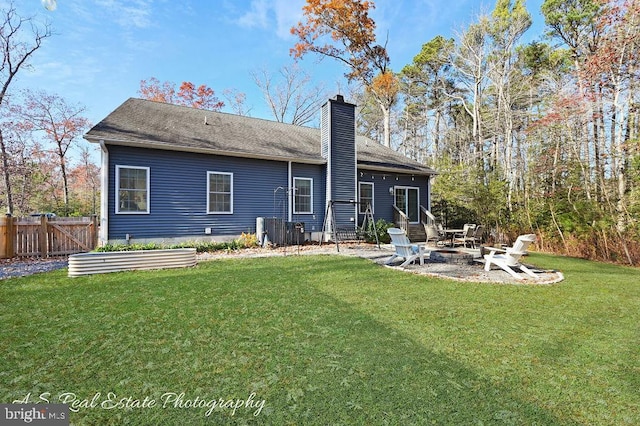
[(102, 49)]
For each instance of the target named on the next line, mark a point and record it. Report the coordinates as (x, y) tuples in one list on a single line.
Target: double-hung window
[(303, 198), (365, 190), (219, 193), (132, 190)]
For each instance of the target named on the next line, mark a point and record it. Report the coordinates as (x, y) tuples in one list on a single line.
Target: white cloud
[(128, 14), (288, 13), (257, 16), (279, 15)]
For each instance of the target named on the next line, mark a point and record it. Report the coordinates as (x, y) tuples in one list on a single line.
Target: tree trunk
[(621, 154), (386, 120), (6, 174), (65, 185), (598, 123), (436, 136)]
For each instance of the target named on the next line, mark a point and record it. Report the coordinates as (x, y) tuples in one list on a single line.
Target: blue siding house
[(172, 173)]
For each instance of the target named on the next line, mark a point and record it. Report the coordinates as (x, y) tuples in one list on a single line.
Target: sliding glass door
[(407, 200)]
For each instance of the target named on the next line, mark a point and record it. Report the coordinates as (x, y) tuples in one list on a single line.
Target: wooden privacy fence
[(43, 237)]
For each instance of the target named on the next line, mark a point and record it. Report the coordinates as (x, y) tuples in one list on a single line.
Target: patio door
[(407, 200)]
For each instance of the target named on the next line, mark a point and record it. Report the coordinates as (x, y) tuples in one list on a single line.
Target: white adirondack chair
[(510, 259), (404, 248)]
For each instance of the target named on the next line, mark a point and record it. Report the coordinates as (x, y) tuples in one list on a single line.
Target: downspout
[(290, 192), (356, 206), (429, 179), (103, 236)]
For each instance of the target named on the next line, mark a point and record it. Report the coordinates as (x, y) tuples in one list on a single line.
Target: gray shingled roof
[(144, 123)]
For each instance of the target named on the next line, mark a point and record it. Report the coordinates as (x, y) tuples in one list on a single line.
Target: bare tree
[(424, 81), (508, 23), (290, 99), (60, 123), (85, 178), (20, 38), (22, 168), (470, 65), (236, 100)]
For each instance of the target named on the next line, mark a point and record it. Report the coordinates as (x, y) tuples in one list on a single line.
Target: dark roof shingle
[(144, 123)]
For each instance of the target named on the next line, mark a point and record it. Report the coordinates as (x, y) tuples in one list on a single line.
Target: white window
[(132, 190), (303, 198), (365, 191), (219, 193)]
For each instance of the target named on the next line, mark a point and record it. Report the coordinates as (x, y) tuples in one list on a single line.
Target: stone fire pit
[(453, 256)]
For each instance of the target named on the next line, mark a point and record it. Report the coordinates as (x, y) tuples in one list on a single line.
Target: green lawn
[(326, 340)]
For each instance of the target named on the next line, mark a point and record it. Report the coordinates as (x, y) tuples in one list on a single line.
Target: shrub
[(129, 247), (202, 247), (381, 227), (248, 240), (245, 241)]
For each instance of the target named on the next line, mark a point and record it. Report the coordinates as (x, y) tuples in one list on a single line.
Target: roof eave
[(169, 147), (398, 170)]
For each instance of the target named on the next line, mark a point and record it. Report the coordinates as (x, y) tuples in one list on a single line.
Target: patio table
[(452, 233)]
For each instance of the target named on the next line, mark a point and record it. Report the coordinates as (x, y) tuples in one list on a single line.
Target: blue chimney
[(338, 137)]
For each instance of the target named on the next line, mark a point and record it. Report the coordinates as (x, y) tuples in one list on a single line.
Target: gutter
[(397, 170), (103, 236), (290, 192)]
